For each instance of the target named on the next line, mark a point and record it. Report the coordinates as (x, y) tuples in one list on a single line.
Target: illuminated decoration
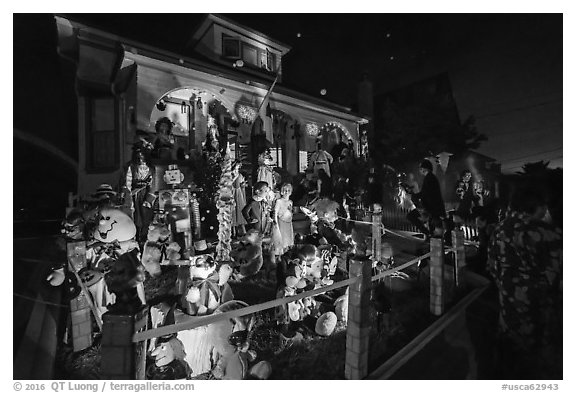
[(312, 129), (161, 105), (247, 113), (238, 63), (298, 35), (211, 121), (443, 159), (323, 92)]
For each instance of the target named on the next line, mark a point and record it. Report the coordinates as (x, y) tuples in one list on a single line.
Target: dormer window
[(230, 47), (258, 57)]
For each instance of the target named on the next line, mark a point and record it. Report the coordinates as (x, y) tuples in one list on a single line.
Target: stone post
[(437, 295), (459, 255), (358, 330), (122, 358), (377, 233)]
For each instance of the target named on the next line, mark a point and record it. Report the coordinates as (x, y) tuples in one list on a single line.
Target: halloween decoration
[(126, 274), (137, 191)]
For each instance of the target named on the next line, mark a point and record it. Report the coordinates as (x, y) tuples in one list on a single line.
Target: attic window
[(231, 47)]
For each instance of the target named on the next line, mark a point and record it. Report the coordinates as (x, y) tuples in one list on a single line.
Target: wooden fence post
[(459, 255), (377, 233), (358, 330), (437, 294), (121, 358)]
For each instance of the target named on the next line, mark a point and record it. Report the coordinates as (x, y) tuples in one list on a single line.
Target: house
[(124, 86)]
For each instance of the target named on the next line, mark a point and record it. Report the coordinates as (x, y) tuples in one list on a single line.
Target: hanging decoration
[(247, 113), (443, 159), (312, 129)]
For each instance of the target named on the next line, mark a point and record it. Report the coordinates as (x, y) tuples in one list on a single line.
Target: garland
[(225, 204)]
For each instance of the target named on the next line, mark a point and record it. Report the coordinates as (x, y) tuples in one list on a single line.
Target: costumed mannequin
[(265, 171), (137, 191), (283, 218), (239, 185), (164, 143), (321, 159), (257, 210)]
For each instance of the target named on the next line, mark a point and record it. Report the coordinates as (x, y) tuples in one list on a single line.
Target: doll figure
[(239, 185), (283, 218), (321, 159), (257, 211), (265, 171), (138, 187), (164, 139)]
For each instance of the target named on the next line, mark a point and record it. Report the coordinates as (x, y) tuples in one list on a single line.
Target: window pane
[(276, 157), (303, 164), (103, 114), (250, 55), (230, 47), (103, 149), (271, 60)]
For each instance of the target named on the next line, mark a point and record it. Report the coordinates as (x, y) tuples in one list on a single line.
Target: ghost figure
[(443, 159), (114, 225)]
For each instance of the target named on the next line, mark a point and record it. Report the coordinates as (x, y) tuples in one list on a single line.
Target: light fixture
[(323, 92), (238, 63)]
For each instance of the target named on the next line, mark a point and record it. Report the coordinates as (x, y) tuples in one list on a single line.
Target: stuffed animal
[(235, 366), (158, 249), (297, 281), (325, 324), (207, 290), (250, 258)]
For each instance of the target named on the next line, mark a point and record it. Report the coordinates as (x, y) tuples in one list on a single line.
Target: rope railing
[(214, 318), (401, 267)]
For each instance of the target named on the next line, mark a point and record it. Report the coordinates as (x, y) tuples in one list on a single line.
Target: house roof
[(173, 51), (210, 19)]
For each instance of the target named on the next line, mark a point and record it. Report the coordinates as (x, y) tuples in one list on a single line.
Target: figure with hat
[(137, 191), (430, 197)]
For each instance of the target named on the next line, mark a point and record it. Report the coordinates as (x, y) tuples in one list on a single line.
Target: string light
[(247, 113), (312, 129)]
